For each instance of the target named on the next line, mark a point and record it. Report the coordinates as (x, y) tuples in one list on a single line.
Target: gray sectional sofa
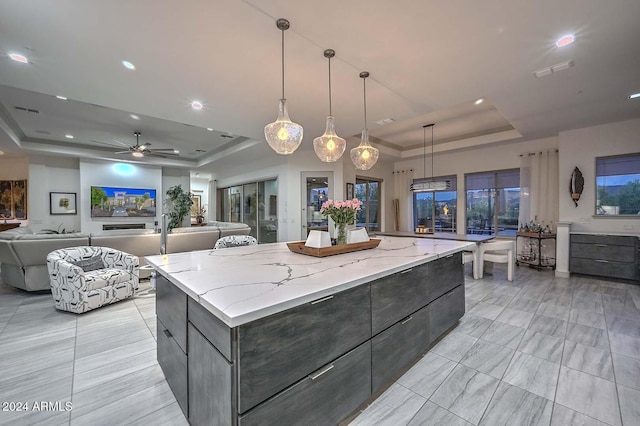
[(23, 254)]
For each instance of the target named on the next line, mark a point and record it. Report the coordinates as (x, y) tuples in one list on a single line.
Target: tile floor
[(538, 351)]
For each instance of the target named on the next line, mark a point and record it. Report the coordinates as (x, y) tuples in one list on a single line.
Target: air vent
[(227, 136), (200, 150), (34, 111), (553, 69), (43, 132), (384, 121)]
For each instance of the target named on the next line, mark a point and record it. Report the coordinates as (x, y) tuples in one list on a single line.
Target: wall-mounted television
[(109, 201)]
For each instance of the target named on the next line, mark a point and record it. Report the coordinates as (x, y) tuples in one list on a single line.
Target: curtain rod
[(536, 153)]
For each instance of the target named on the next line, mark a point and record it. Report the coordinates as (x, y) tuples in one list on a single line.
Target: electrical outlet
[(627, 227)]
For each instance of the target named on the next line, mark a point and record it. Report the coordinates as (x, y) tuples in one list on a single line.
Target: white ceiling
[(428, 61)]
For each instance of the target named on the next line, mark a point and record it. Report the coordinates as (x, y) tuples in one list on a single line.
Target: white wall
[(52, 174), (497, 157), (17, 168), (101, 173), (579, 148)]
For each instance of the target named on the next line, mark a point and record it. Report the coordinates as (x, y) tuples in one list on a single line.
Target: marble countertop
[(442, 236), (242, 284)]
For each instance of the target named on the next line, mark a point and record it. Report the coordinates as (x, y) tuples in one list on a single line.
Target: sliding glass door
[(255, 204), (368, 191)]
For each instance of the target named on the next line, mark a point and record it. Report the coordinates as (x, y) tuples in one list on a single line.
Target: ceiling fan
[(138, 150)]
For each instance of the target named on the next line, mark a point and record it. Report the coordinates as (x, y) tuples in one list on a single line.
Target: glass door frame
[(304, 200)]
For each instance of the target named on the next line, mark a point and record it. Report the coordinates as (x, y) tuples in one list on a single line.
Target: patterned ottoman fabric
[(75, 290)]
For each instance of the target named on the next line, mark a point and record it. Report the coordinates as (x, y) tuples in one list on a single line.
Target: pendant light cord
[(330, 86), (282, 64), (424, 149), (432, 126), (364, 86)]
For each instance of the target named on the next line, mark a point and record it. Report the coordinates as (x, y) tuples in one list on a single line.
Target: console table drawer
[(603, 252), (287, 345), (325, 396), (604, 268), (396, 296), (445, 274), (392, 349), (171, 309), (618, 240)]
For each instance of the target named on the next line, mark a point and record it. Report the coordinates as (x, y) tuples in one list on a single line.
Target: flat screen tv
[(109, 201)]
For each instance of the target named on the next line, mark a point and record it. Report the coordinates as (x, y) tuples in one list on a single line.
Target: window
[(368, 191), (436, 209), (493, 202), (618, 185)]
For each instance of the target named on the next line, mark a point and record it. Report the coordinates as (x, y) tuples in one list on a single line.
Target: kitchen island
[(261, 335)]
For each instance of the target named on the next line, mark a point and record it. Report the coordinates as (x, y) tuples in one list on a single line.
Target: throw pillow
[(90, 264)]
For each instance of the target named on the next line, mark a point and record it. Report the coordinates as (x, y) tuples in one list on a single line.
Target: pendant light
[(424, 185), (283, 135), (364, 156), (329, 147)]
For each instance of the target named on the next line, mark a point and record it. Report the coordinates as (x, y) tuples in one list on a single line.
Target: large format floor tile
[(538, 350), (466, 393), (589, 395)]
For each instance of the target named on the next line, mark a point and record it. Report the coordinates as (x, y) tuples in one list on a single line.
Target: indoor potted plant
[(178, 204)]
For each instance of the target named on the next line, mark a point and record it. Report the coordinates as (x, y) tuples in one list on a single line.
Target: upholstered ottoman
[(85, 278)]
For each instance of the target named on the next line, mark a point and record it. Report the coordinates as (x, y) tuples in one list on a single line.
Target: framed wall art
[(62, 203), (13, 199)]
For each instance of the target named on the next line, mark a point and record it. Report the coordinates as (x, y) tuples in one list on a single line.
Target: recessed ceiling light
[(565, 40), (18, 58), (197, 105), (176, 151), (135, 117), (479, 101), (62, 98), (634, 96), (68, 136), (210, 129), (137, 154), (128, 65)]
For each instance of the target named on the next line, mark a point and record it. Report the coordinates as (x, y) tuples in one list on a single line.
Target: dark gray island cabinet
[(310, 364)]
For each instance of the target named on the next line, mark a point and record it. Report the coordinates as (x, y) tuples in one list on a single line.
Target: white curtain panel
[(539, 187), (402, 179)]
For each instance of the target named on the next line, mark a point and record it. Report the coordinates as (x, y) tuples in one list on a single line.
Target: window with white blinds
[(618, 185)]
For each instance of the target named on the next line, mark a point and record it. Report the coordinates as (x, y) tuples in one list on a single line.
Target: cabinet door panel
[(395, 347), (210, 383), (325, 397), (171, 309), (214, 330), (396, 296), (445, 274), (173, 362), (445, 311), (277, 351)]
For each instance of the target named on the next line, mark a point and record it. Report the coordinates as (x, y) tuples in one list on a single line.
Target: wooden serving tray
[(299, 247)]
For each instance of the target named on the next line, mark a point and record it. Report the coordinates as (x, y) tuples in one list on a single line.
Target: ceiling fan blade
[(163, 149), (121, 143), (122, 152)]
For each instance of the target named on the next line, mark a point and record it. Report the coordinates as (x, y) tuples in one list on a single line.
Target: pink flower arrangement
[(341, 211)]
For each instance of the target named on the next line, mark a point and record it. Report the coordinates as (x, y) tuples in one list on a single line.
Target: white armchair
[(85, 278), (472, 256), (498, 252)]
